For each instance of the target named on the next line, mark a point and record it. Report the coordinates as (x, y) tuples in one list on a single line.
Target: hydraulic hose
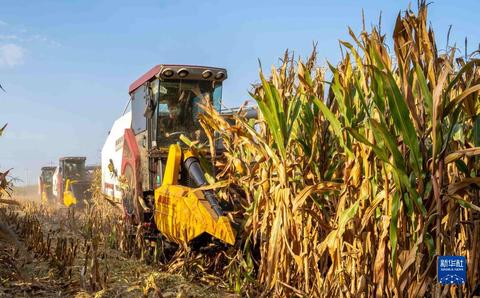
[(192, 165)]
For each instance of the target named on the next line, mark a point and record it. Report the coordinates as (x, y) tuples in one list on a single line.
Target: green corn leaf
[(406, 183), (293, 112), (378, 151), (476, 131), (335, 124), (462, 167), (468, 205), (270, 108), (361, 96), (427, 95), (402, 180), (401, 118), (339, 94), (377, 60), (379, 93), (408, 204), (277, 106), (430, 244), (390, 142)]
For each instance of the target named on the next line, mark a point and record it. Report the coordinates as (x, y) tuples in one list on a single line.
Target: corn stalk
[(354, 187)]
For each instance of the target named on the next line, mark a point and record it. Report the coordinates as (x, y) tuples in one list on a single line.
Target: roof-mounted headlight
[(220, 75), (168, 72), (207, 74), (182, 72)]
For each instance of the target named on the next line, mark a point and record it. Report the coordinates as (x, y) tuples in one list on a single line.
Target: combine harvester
[(70, 184), (45, 189), (162, 175)]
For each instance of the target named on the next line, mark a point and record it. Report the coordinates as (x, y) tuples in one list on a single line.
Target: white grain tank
[(113, 150)]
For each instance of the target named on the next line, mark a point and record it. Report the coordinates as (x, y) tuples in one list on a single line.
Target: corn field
[(352, 186)]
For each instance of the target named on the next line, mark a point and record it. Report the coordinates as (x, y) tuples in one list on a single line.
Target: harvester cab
[(70, 184), (161, 176), (45, 184)]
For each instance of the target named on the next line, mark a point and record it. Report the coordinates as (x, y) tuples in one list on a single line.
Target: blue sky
[(67, 65)]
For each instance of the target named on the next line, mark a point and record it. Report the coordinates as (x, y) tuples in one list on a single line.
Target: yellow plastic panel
[(68, 197), (181, 214), (172, 168)]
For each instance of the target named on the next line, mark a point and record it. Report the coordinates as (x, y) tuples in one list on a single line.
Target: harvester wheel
[(130, 204)]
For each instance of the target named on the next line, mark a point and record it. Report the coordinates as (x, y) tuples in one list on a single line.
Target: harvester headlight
[(220, 75), (207, 74), (183, 72), (167, 72)]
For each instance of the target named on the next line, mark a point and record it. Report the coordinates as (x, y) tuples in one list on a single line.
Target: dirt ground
[(36, 278), (29, 277), (27, 272)]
